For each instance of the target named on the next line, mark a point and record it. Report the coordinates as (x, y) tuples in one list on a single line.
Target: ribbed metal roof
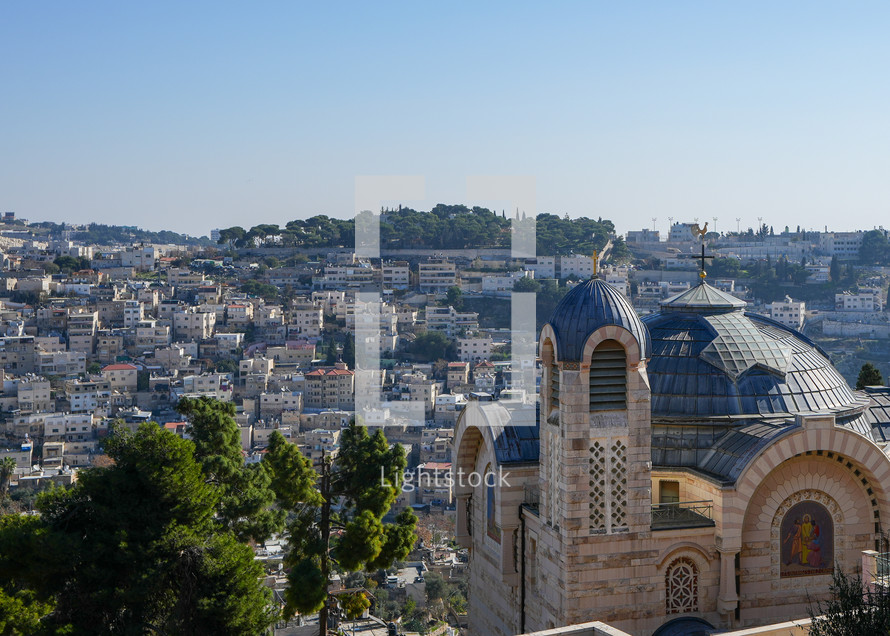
[(775, 372), (586, 308), (511, 428), (703, 298)]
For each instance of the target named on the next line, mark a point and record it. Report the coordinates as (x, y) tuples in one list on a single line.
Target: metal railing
[(682, 514), (883, 566)]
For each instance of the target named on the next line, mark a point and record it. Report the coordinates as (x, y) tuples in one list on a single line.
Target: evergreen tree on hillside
[(134, 547), (869, 375), (365, 479)]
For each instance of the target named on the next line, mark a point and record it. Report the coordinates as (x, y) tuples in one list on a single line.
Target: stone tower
[(595, 454)]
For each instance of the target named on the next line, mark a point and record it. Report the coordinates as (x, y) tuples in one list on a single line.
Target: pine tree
[(869, 375), (365, 478), (246, 496), (331, 353), (7, 469), (349, 351), (834, 271), (135, 547)]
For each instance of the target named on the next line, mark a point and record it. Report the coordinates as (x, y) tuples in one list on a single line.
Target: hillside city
[(106, 328)]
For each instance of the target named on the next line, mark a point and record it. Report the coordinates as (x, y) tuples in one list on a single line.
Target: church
[(699, 469)]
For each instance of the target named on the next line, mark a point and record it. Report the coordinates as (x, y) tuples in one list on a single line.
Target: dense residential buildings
[(283, 335)]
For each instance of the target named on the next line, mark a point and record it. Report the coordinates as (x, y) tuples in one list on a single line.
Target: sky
[(199, 115)]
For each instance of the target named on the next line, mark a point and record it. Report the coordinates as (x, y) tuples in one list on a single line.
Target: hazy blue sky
[(192, 115)]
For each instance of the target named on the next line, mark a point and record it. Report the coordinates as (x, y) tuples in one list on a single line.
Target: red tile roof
[(120, 367), (321, 372)]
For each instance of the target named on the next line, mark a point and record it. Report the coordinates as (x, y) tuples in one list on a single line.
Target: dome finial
[(595, 259), (702, 274)]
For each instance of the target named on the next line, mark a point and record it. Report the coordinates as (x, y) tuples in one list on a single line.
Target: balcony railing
[(883, 567), (682, 514)]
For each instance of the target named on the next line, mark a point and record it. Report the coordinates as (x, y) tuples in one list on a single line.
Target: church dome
[(586, 308), (711, 359)]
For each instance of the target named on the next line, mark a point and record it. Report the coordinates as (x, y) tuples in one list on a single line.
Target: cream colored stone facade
[(577, 535)]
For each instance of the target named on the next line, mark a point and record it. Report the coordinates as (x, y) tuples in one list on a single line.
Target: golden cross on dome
[(595, 259)]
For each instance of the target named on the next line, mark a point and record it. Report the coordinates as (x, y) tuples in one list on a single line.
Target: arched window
[(681, 586), (608, 377), (491, 526)]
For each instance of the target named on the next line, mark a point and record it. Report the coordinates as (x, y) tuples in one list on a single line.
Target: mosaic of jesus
[(807, 540)]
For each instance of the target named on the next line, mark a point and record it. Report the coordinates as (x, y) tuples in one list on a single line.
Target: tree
[(354, 605), (234, 236), (875, 248), (430, 345), (869, 375), (68, 264), (527, 284), (834, 270), (22, 613), (364, 480), (454, 296), (853, 608), (165, 565), (620, 251), (246, 494), (349, 351), (331, 352), (7, 470)]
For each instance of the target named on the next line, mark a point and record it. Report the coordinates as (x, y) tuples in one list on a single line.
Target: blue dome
[(588, 307)]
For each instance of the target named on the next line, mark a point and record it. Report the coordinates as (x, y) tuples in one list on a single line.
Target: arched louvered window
[(554, 386), (608, 377)]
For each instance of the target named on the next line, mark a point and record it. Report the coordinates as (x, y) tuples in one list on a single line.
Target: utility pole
[(654, 219), (326, 537)]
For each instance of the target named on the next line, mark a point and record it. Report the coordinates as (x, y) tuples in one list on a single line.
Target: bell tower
[(595, 432)]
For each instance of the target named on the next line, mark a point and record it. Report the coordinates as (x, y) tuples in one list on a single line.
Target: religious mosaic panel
[(807, 546)]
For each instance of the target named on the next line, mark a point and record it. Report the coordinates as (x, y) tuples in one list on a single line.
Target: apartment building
[(121, 377), (153, 333), (18, 354), (305, 320), (330, 389), (450, 321), (865, 301), (474, 348), (82, 330), (789, 312), (88, 396), (272, 404), (192, 326), (34, 395), (578, 266), (436, 275), (396, 275), (61, 363)]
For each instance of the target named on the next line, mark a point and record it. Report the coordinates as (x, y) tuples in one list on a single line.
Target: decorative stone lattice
[(598, 490), (553, 486), (618, 478), (608, 485), (681, 587)]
